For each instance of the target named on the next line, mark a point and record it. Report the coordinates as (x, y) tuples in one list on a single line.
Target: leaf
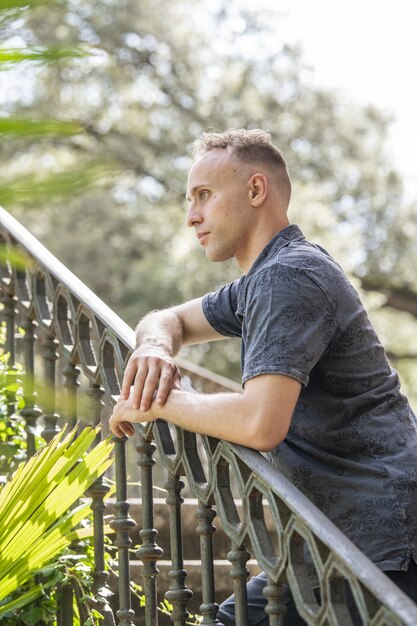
[(32, 616), (30, 596), (38, 189), (36, 521), (17, 4), (24, 127), (17, 55)]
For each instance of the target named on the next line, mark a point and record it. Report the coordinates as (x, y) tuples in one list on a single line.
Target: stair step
[(191, 543), (223, 581)]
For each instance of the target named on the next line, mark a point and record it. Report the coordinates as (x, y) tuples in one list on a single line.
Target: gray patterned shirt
[(352, 443)]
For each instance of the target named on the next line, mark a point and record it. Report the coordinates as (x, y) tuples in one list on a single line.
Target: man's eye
[(203, 195)]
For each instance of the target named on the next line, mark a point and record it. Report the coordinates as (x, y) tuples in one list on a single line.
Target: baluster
[(65, 606), (275, 607), (9, 303), (30, 411), (65, 594), (9, 313), (178, 594), (205, 515), (50, 357), (71, 373), (239, 556), (149, 552), (97, 492), (122, 524)]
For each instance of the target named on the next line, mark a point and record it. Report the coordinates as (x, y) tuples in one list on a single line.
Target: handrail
[(45, 298), (124, 333)]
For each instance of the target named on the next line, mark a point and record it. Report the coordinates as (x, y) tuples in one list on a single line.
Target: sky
[(368, 49)]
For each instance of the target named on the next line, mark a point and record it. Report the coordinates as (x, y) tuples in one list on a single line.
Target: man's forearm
[(151, 368), (259, 418), (162, 330), (223, 415)]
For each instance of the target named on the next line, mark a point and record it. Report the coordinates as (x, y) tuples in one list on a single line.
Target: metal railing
[(84, 347)]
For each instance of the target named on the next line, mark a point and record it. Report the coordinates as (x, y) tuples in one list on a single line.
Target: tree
[(156, 77)]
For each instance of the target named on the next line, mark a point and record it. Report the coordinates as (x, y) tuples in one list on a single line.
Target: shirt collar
[(280, 240), (283, 238)]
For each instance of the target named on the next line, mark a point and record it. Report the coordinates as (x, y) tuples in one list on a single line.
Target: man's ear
[(258, 189)]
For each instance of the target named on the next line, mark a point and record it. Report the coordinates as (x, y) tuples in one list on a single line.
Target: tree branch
[(400, 298)]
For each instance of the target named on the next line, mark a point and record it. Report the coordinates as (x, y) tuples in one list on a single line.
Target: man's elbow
[(267, 435), (267, 444)]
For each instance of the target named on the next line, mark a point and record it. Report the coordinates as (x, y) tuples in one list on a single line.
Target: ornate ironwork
[(122, 524), (53, 304), (149, 552), (205, 528), (178, 594), (30, 411)]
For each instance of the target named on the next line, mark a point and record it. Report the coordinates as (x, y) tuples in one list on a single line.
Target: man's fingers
[(127, 428), (176, 384), (153, 380), (140, 380), (128, 379), (121, 429), (165, 386), (151, 376), (170, 379)]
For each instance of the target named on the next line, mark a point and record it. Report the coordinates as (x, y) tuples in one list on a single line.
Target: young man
[(318, 392)]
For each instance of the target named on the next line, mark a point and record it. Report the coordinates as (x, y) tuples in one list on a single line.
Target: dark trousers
[(406, 581)]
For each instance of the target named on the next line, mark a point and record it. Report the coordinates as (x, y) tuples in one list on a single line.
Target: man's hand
[(123, 417), (153, 374)]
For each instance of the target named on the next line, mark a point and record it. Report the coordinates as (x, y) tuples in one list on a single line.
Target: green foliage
[(64, 181), (160, 74), (44, 56), (38, 188), (35, 516), (12, 444), (36, 523), (12, 428), (71, 571), (23, 127), (7, 5)]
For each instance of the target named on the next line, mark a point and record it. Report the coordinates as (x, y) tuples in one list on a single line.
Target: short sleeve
[(220, 306), (289, 324)]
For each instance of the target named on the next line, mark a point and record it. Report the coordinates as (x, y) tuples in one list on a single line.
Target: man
[(318, 392)]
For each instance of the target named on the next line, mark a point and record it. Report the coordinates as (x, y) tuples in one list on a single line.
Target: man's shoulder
[(299, 261), (303, 272)]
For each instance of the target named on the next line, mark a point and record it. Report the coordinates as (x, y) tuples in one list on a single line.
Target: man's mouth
[(201, 237)]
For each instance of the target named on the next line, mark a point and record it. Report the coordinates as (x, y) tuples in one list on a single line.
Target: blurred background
[(101, 100)]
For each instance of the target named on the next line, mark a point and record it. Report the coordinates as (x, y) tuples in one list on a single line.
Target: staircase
[(192, 564), (258, 513)]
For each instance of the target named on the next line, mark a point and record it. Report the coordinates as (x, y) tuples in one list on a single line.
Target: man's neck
[(258, 242)]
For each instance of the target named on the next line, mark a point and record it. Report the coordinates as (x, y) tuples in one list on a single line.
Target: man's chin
[(217, 256)]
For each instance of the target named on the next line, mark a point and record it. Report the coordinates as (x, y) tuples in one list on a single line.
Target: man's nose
[(193, 216)]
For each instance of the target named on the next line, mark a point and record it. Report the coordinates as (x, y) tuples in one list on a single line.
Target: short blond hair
[(251, 147)]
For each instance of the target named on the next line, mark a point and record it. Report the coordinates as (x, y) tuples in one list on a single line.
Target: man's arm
[(159, 338), (259, 418)]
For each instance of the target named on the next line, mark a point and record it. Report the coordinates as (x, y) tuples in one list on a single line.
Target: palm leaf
[(17, 55), (29, 596), (36, 521), (19, 4), (35, 189), (23, 127)]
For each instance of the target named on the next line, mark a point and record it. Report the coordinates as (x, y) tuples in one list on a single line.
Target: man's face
[(219, 207)]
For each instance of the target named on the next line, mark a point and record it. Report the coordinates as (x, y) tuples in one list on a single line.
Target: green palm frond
[(36, 522), (20, 4), (24, 127), (34, 189), (45, 55)]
